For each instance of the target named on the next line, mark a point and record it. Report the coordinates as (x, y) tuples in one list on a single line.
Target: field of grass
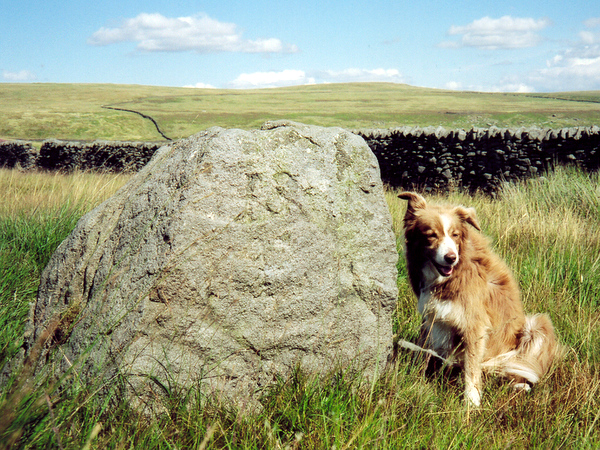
[(75, 111), (548, 231)]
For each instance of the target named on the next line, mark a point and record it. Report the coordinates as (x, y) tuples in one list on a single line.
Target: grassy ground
[(37, 211), (74, 111), (546, 229)]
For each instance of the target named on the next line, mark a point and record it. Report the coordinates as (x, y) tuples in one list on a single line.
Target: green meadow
[(75, 111), (547, 229)]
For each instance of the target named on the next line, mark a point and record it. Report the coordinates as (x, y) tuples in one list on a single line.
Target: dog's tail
[(538, 348), (539, 342)]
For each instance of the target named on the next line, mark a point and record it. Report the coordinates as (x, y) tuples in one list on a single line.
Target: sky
[(481, 45)]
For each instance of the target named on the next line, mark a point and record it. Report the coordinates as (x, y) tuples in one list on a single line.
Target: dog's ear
[(467, 215), (415, 201)]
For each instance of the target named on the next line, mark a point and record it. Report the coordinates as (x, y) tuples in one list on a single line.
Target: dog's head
[(436, 234)]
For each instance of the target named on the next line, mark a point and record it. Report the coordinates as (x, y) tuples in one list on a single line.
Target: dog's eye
[(455, 234), (430, 234)]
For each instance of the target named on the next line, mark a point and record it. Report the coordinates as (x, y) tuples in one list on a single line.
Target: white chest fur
[(441, 318), (439, 309)]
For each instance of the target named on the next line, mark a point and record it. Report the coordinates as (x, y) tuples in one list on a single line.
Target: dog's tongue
[(445, 271)]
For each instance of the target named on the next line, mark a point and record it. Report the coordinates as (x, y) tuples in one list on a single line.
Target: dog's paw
[(472, 396), (522, 387)]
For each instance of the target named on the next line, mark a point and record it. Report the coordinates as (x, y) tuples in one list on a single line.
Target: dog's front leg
[(474, 343)]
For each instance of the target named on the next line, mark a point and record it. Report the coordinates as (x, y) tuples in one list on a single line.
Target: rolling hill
[(79, 111)]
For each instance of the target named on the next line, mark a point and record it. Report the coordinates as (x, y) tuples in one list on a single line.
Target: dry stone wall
[(477, 159), (409, 157), (17, 154), (66, 156)]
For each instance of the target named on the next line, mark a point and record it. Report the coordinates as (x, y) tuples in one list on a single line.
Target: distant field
[(74, 111)]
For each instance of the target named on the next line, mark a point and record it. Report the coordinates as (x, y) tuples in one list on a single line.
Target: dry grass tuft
[(27, 192)]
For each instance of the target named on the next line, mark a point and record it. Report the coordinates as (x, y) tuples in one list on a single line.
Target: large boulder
[(231, 258)]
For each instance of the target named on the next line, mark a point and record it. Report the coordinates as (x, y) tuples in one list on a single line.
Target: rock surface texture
[(232, 257)]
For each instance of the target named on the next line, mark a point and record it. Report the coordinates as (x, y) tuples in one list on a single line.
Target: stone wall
[(436, 158), (423, 158), (17, 154), (67, 156)]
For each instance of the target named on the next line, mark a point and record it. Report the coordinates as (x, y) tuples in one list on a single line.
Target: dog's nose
[(450, 257)]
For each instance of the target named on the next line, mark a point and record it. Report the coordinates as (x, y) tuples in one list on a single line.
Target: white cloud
[(571, 71), (354, 75), (200, 86), (300, 77), (576, 68), (504, 33), (200, 33), (506, 85), (454, 85), (590, 37), (271, 79), (521, 88), (592, 22), (23, 75)]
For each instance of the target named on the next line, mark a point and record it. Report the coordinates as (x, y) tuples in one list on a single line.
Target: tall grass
[(37, 211), (547, 230)]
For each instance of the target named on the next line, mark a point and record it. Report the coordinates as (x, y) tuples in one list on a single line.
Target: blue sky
[(525, 46)]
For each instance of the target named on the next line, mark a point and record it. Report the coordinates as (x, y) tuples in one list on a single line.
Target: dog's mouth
[(444, 271)]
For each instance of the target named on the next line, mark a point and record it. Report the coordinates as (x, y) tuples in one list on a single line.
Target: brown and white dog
[(469, 300)]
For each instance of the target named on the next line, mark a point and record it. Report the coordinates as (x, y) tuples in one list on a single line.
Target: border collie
[(469, 301)]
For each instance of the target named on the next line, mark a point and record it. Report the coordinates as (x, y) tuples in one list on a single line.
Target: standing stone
[(231, 258)]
